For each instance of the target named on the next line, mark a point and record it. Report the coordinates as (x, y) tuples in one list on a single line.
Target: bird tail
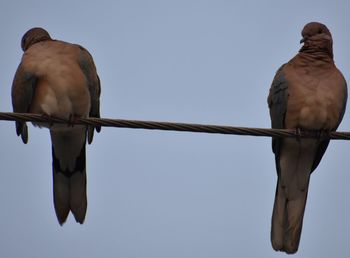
[(287, 220), (69, 176), (295, 164)]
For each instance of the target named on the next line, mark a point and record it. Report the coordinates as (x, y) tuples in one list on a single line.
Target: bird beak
[(302, 40)]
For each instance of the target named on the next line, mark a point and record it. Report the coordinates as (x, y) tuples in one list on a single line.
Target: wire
[(171, 126)]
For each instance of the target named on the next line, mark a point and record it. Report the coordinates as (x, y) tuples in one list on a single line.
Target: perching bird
[(308, 93), (59, 79)]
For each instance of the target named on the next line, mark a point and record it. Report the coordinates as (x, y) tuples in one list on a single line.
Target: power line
[(172, 126)]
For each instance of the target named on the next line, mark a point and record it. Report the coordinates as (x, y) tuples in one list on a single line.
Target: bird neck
[(316, 57), (33, 40), (318, 49)]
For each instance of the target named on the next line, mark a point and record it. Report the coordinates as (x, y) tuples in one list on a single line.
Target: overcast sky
[(168, 194)]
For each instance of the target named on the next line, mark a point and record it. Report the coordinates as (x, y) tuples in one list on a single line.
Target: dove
[(308, 94), (59, 79)]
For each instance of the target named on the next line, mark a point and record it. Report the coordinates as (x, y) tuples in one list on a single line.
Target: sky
[(172, 194)]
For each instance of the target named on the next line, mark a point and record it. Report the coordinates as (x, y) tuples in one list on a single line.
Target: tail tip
[(79, 216), (61, 219), (288, 248)]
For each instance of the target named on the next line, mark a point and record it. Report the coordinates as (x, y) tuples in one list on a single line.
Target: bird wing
[(93, 82), (277, 101), (23, 88)]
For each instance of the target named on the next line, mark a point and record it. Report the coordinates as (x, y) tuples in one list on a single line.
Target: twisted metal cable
[(171, 126)]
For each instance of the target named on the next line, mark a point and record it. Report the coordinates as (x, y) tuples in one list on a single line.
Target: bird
[(59, 79), (308, 94)]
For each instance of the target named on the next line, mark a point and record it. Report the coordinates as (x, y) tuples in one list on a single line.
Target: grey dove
[(308, 93), (59, 79)]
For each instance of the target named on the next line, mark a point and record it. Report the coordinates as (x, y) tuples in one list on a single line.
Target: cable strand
[(171, 126)]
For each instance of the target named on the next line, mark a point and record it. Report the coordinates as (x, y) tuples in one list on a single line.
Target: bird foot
[(72, 120), (318, 134), (298, 132), (323, 134), (46, 116)]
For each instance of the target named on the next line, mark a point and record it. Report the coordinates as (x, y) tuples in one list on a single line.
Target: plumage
[(59, 79), (308, 93)]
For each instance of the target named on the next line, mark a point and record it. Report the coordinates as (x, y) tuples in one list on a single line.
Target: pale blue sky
[(168, 194)]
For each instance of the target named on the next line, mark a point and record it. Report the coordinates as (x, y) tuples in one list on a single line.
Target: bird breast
[(313, 101)]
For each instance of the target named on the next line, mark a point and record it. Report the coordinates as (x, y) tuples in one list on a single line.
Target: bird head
[(317, 37), (33, 36)]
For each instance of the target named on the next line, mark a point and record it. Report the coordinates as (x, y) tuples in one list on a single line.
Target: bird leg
[(298, 132), (323, 134), (72, 120), (46, 116), (318, 134)]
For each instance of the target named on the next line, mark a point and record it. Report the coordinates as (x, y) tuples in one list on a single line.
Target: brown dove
[(59, 79), (308, 94)]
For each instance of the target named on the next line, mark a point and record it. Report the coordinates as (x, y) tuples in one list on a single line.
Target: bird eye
[(319, 31)]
